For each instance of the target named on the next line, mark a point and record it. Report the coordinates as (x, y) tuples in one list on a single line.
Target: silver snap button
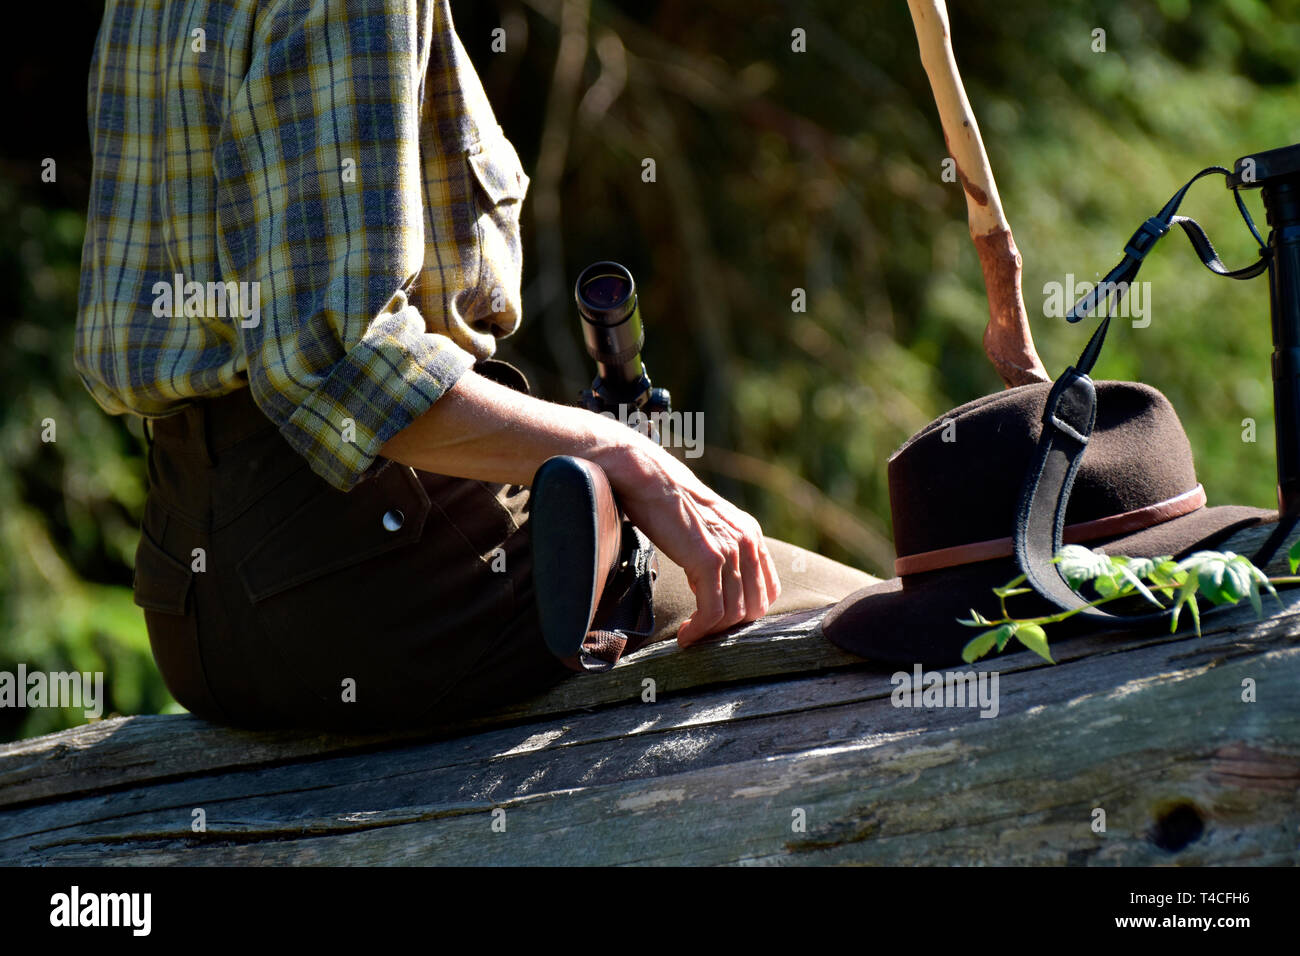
[(393, 520)]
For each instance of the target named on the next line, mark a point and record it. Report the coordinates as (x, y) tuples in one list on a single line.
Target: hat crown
[(957, 481)]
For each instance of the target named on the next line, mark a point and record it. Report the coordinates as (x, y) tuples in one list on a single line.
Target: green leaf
[(1141, 567), (1186, 596), (1257, 579), (1238, 581), (1136, 582), (1034, 638), (1260, 580), (1210, 583), (1012, 587), (979, 646), (1207, 569), (1166, 577), (1078, 564), (1293, 556), (976, 619), (1004, 634), (1167, 573), (1193, 562), (1107, 585), (1268, 585), (1011, 592), (1224, 577)]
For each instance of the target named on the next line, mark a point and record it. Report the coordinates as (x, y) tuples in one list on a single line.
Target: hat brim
[(914, 620)]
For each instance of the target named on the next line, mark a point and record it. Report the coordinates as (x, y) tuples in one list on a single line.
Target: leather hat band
[(1136, 520)]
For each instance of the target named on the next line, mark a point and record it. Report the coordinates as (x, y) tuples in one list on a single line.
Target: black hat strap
[(1071, 412), (1068, 420)]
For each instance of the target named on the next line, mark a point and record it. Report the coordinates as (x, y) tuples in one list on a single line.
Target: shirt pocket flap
[(335, 530), (161, 582), (498, 170)]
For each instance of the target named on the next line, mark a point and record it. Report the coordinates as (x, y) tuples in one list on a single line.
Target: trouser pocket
[(163, 588)]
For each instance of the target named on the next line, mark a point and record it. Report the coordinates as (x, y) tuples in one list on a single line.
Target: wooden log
[(123, 750), (729, 733), (1149, 727), (1183, 769)]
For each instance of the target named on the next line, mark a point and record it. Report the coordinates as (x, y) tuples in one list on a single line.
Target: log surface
[(770, 747)]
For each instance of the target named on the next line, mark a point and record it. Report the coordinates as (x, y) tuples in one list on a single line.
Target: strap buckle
[(1145, 238), (1071, 405)]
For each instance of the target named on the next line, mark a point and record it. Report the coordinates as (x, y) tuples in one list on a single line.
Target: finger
[(756, 583), (754, 571), (708, 608), (733, 591)]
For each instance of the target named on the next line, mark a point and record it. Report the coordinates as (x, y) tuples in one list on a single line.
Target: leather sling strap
[(1071, 413)]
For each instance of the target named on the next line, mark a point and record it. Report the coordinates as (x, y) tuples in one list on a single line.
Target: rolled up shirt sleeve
[(319, 204)]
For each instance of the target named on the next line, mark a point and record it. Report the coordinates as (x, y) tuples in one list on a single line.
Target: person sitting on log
[(302, 248)]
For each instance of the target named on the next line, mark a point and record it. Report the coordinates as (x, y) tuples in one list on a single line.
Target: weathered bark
[(1008, 342)]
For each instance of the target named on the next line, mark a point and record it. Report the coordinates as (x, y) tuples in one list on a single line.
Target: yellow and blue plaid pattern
[(337, 163)]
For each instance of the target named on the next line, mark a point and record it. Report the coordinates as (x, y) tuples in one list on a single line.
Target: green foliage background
[(776, 170)]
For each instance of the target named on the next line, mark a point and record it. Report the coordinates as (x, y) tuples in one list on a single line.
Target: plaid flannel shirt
[(311, 198)]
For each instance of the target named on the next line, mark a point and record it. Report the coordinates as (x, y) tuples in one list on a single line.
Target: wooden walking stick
[(1007, 339)]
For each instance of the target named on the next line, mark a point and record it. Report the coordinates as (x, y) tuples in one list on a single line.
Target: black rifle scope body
[(612, 331)]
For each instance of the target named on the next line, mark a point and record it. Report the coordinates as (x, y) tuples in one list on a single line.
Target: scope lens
[(611, 325), (606, 291)]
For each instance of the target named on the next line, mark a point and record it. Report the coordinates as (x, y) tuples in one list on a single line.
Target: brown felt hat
[(954, 489)]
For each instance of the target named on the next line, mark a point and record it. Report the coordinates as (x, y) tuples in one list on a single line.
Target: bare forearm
[(480, 429), (483, 430)]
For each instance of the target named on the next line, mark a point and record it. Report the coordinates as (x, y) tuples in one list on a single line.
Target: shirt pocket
[(494, 204)]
